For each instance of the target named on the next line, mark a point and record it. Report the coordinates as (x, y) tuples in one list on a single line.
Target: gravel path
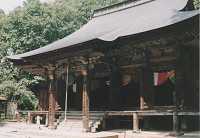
[(23, 130)]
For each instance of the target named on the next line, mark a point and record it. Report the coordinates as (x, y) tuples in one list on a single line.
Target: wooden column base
[(86, 124), (52, 127), (176, 132), (46, 120), (135, 123), (51, 113), (29, 118), (51, 123)]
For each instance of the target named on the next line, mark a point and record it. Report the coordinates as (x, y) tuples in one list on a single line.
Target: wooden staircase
[(73, 121)]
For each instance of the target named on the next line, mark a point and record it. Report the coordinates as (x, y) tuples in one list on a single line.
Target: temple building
[(132, 63)]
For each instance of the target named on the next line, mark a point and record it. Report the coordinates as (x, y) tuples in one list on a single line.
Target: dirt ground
[(23, 130)]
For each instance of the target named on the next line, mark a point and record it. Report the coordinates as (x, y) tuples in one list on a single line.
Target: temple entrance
[(99, 94), (121, 93), (74, 95)]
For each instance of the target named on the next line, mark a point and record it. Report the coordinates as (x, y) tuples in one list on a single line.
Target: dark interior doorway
[(164, 87), (104, 96), (99, 94), (74, 96), (129, 96)]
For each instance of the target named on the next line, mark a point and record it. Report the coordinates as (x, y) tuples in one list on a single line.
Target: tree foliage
[(196, 4), (32, 26)]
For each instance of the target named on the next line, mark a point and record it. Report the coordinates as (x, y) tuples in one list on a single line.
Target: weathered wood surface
[(85, 101), (52, 97), (151, 113), (142, 112), (135, 122)]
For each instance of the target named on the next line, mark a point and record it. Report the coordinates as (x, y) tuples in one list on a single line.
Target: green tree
[(196, 4), (32, 26)]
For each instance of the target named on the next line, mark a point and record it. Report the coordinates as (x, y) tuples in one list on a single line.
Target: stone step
[(74, 120)]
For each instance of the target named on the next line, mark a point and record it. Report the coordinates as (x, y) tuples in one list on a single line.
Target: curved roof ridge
[(119, 6)]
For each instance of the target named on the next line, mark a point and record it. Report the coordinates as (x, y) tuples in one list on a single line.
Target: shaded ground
[(23, 130)]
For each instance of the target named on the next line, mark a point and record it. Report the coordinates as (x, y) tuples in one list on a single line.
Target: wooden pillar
[(146, 83), (176, 130), (142, 103), (52, 100), (104, 124), (46, 120), (148, 79), (114, 92), (29, 118), (85, 102), (46, 101), (42, 100), (135, 122), (175, 122), (180, 78), (179, 92)]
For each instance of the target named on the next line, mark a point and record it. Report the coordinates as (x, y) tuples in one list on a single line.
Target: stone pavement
[(23, 130)]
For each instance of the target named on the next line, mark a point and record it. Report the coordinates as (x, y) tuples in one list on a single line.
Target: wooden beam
[(162, 59), (152, 61), (141, 113)]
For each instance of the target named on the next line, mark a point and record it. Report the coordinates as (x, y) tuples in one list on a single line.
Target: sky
[(9, 5)]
